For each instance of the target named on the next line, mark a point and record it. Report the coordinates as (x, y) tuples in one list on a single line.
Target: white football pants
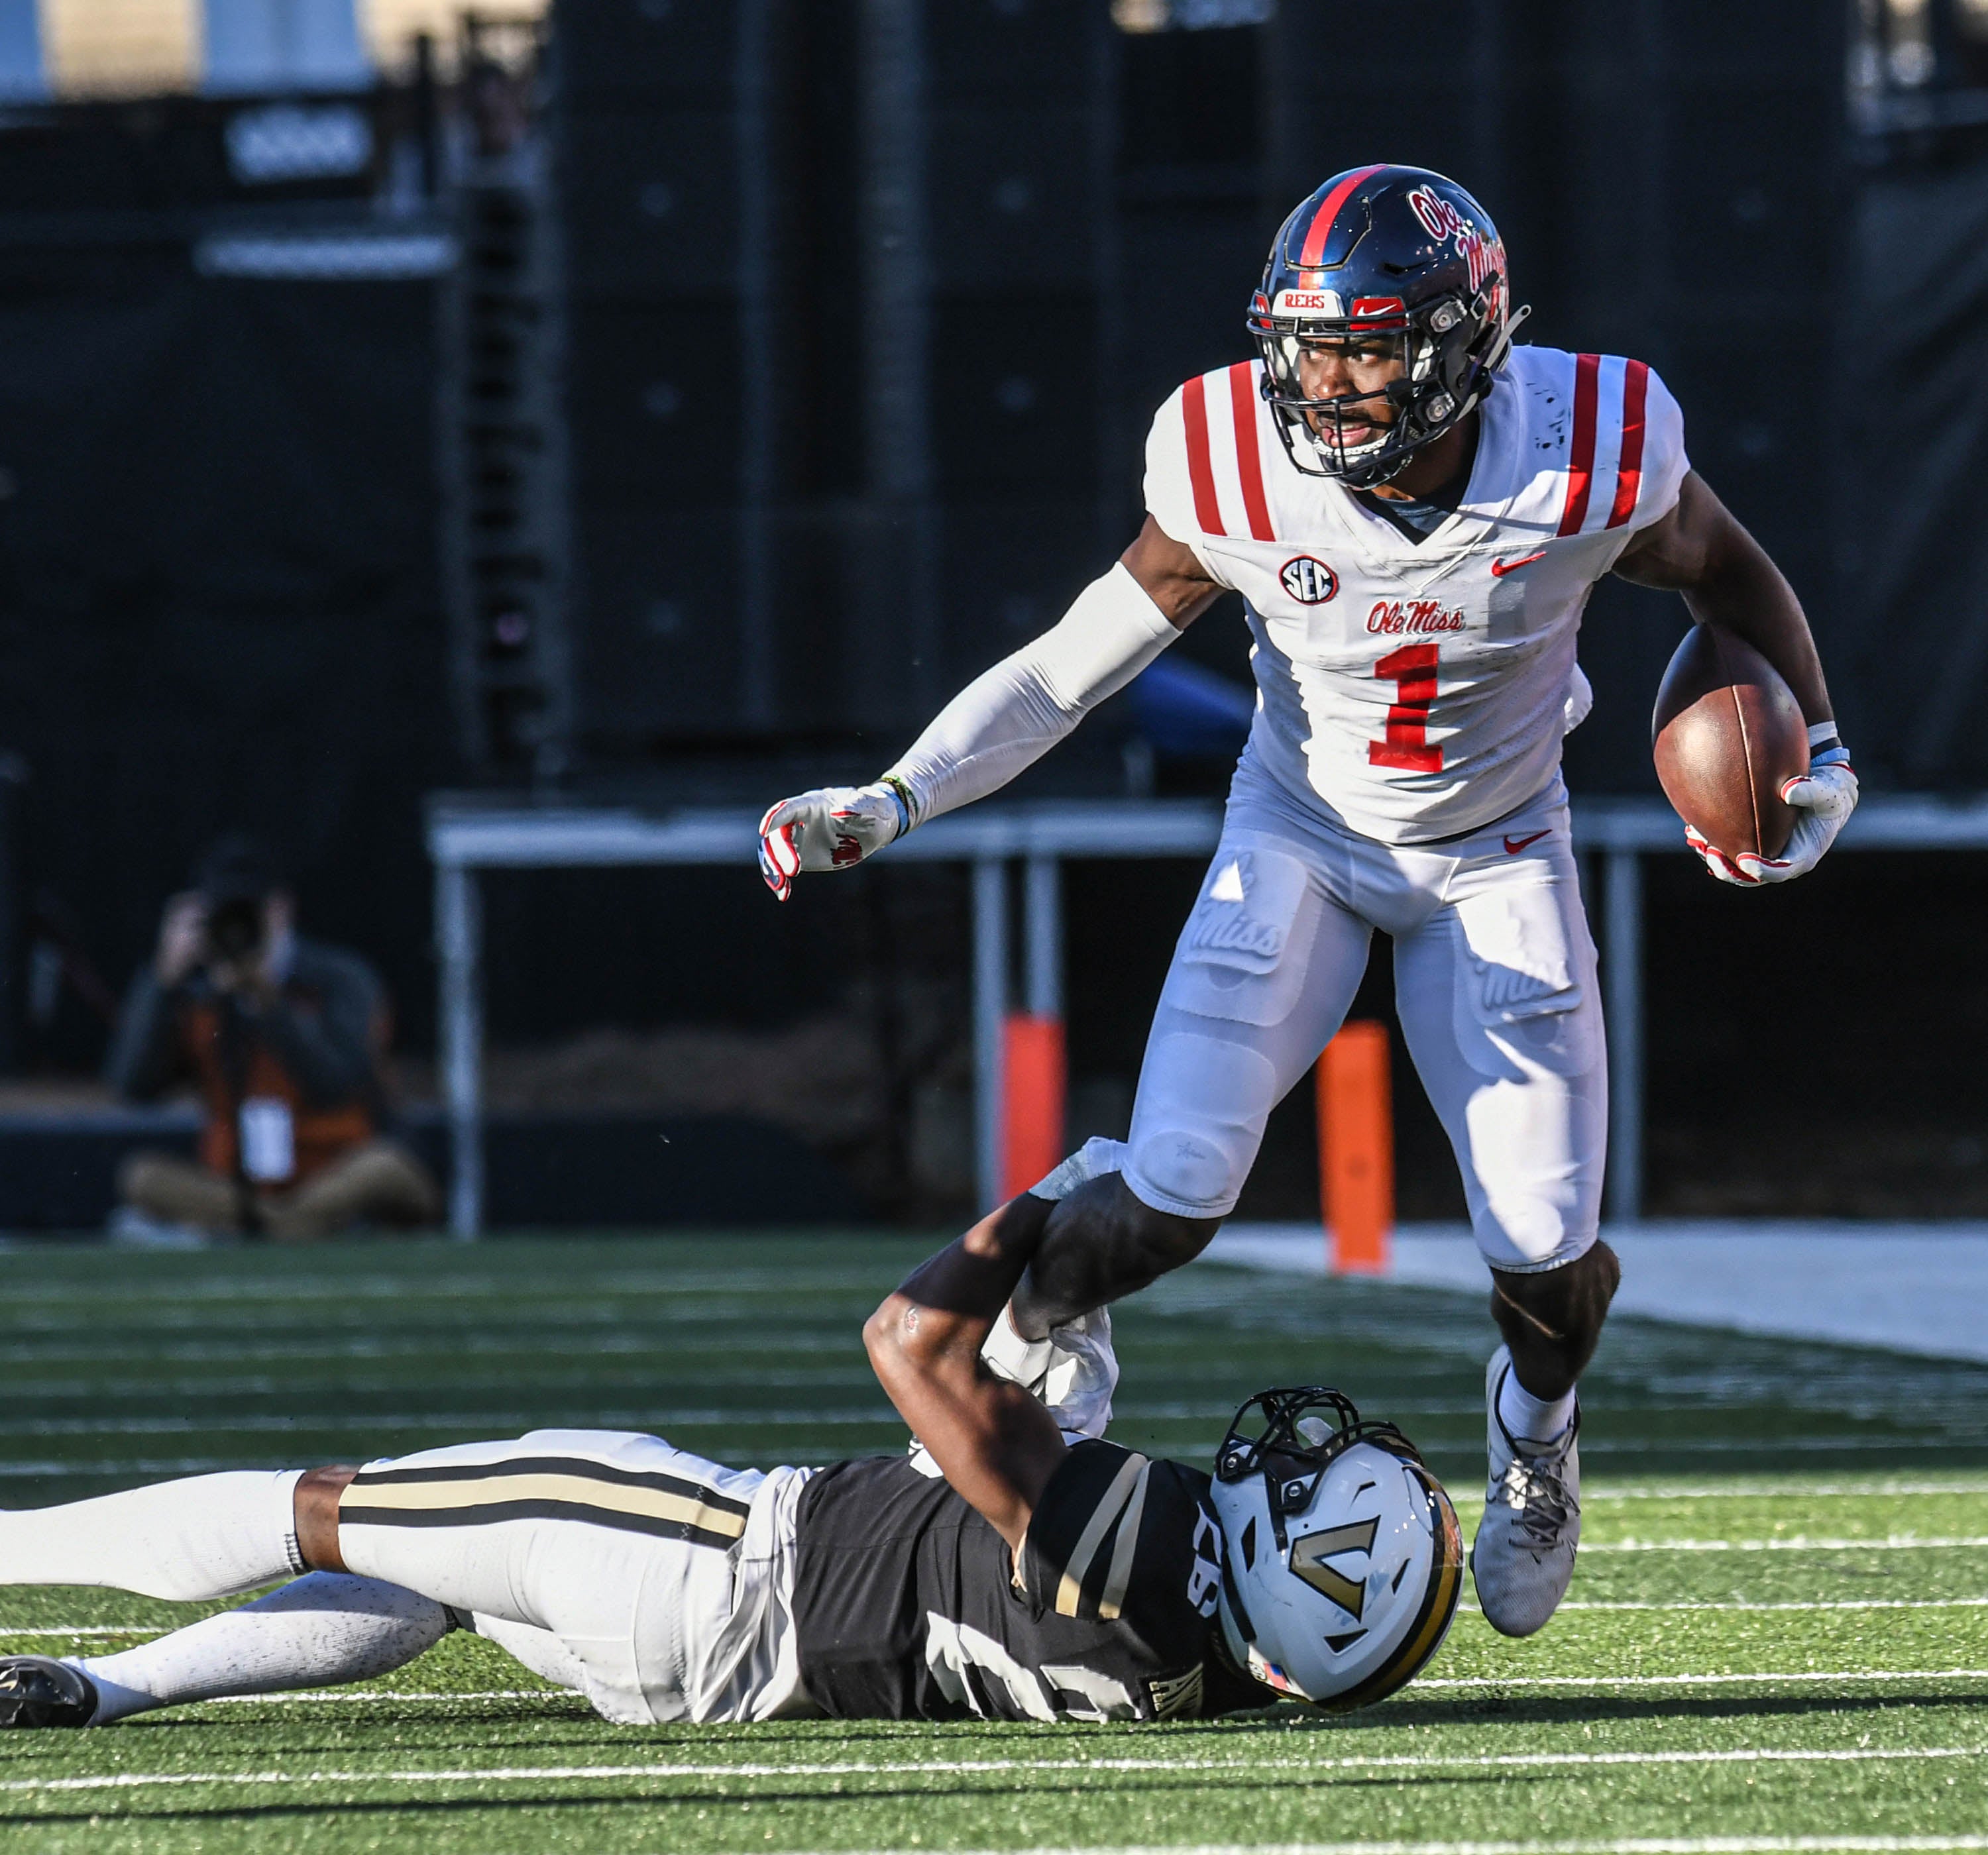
[(658, 1584), (1495, 981)]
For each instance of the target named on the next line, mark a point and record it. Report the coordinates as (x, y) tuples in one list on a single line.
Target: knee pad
[(1202, 1104), (1551, 1319)]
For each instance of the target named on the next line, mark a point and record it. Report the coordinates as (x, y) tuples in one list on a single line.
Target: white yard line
[(1710, 1845), (1792, 1489), (1806, 1676), (387, 1694), (531, 1774), (63, 1632), (1845, 1603), (1795, 1542)]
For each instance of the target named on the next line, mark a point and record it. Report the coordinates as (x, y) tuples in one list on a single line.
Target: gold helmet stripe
[(1438, 1605)]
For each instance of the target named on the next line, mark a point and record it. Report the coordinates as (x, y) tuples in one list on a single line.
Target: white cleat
[(1522, 1560)]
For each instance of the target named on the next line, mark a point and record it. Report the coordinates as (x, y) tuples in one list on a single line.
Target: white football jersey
[(1415, 691)]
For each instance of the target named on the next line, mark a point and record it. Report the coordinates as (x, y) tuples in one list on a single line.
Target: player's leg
[(655, 1570), (1498, 997), (203, 1536), (321, 1630), (1263, 976)]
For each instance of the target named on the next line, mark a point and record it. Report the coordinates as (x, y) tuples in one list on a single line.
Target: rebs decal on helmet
[(1309, 582)]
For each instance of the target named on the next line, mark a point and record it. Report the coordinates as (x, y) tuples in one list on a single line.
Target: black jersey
[(907, 1605)]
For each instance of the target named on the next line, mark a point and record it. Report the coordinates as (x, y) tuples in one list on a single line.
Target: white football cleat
[(1522, 1560)]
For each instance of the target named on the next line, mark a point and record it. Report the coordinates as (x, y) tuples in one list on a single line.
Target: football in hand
[(1727, 734)]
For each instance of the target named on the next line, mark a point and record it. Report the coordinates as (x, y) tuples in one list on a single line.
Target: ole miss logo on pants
[(1309, 582)]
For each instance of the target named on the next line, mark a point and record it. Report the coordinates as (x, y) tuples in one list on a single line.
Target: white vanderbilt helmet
[(1342, 1558)]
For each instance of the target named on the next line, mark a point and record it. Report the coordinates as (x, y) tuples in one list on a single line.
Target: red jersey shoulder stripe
[(1629, 466), (1320, 228), (1200, 466), (1249, 460), (1581, 451)]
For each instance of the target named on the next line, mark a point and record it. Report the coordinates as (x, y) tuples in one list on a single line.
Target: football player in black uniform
[(1046, 1576)]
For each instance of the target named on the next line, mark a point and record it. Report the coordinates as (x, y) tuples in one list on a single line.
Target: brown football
[(1726, 733)]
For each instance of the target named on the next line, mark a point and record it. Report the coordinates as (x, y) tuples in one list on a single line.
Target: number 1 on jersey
[(1412, 670)]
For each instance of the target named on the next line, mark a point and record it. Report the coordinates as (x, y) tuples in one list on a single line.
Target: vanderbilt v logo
[(1309, 1554)]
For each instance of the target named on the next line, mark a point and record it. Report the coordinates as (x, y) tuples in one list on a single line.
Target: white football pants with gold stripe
[(658, 1584), (1495, 983)]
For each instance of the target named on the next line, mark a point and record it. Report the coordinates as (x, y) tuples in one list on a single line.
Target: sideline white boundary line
[(531, 1774)]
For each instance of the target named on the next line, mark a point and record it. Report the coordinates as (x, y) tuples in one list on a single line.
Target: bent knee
[(1186, 1172)]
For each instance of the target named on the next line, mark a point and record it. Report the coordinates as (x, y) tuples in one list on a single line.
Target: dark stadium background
[(235, 512)]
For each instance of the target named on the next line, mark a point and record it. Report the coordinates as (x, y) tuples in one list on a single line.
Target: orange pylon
[(1356, 1147), (1031, 1108)]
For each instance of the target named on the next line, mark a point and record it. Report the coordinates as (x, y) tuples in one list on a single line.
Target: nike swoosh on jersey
[(1500, 568), (1514, 845)]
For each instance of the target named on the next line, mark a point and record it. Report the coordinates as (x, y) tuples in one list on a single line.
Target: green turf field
[(1778, 1638)]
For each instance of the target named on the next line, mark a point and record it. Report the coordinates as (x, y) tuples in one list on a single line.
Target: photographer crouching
[(283, 1037)]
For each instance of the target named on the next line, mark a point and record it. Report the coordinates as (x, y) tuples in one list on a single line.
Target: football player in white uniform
[(1415, 512)]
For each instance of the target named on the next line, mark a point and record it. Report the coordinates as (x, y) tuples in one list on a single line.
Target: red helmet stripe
[(1243, 402), (1581, 459), (1314, 253), (1629, 469), (1200, 464)]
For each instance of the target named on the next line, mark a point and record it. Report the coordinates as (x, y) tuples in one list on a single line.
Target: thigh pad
[(1241, 956), (1523, 967)]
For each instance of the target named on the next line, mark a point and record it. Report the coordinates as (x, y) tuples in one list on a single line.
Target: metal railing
[(465, 838)]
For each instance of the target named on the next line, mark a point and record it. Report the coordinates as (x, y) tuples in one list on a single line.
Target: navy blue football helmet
[(1383, 252)]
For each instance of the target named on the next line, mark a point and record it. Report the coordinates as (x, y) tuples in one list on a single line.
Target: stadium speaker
[(1034, 51), (685, 52), (653, 397), (660, 653), (1013, 196), (651, 201), (1008, 567), (1014, 394)]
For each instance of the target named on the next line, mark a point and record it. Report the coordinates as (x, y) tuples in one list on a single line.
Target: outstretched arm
[(1005, 720), (1700, 550), (992, 1439)]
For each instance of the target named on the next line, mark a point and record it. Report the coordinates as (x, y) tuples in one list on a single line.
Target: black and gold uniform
[(907, 1605)]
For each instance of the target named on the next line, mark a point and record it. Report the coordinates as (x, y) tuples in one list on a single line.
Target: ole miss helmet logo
[(1309, 582)]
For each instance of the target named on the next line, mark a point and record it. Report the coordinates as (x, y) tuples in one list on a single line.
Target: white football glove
[(834, 827), (1826, 796), (1074, 1372)]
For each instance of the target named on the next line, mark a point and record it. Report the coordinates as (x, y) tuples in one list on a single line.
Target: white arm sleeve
[(1008, 717)]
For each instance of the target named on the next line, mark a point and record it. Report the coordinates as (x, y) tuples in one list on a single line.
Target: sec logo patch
[(1309, 582)]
